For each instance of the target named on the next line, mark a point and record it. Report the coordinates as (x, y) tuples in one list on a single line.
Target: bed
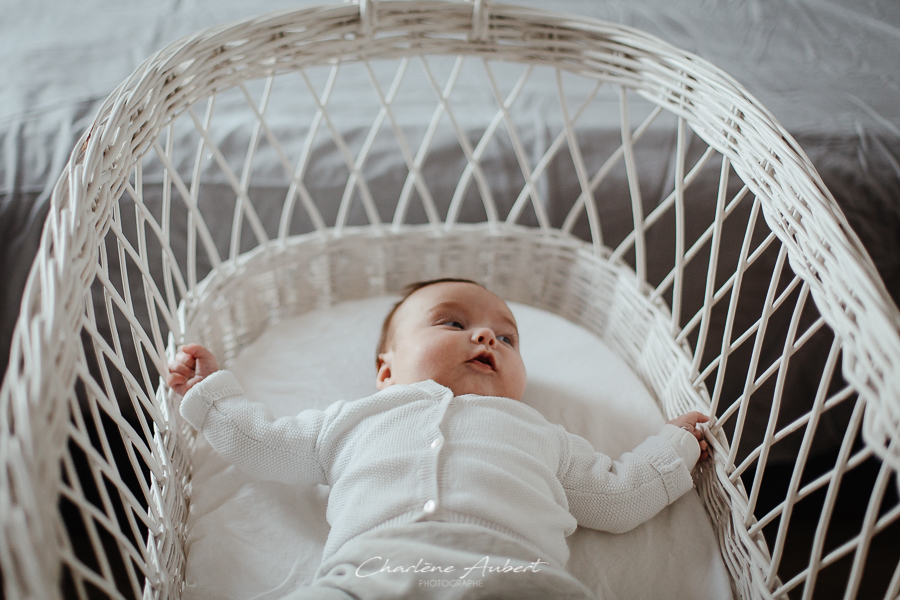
[(825, 71)]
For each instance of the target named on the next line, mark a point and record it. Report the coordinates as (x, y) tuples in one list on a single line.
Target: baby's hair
[(408, 291)]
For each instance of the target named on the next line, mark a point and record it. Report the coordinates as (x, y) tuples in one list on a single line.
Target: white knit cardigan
[(416, 452)]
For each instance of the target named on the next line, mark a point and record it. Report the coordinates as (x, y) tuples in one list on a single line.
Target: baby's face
[(461, 336)]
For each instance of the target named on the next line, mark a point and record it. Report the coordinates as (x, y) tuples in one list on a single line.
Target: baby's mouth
[(487, 359)]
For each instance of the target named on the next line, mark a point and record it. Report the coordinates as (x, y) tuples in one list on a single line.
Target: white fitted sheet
[(254, 539)]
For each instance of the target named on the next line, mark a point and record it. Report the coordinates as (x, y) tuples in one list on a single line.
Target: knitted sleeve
[(617, 496), (246, 434)]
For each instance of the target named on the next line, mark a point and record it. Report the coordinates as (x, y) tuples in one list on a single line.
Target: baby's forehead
[(471, 299)]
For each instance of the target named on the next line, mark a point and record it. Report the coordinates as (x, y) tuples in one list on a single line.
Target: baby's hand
[(191, 365), (689, 422)]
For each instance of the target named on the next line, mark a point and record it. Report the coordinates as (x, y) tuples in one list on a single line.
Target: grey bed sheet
[(828, 71)]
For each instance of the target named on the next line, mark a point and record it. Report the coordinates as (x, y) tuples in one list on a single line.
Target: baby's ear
[(383, 376)]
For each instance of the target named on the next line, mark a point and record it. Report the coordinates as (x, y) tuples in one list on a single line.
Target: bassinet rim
[(65, 234)]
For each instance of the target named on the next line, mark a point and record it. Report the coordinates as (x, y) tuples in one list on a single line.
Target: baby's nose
[(484, 335)]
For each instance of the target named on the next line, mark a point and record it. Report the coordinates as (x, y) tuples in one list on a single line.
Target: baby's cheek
[(518, 380)]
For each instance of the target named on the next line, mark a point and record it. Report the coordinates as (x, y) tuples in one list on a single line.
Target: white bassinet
[(256, 171)]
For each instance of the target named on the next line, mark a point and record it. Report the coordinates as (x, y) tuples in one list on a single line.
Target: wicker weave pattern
[(109, 296)]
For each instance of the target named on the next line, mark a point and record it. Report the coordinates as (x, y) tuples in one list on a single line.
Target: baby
[(443, 484)]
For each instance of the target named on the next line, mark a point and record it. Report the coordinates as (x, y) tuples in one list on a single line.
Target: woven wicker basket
[(720, 301)]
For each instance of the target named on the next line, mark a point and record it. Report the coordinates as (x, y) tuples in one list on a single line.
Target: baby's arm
[(244, 432), (617, 496)]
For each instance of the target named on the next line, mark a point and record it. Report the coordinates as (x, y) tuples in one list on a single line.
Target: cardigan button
[(437, 441), (430, 507)]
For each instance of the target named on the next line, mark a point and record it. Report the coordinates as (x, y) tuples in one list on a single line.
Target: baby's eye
[(455, 324), (506, 340)]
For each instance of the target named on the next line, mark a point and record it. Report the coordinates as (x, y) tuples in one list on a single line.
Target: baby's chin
[(478, 388)]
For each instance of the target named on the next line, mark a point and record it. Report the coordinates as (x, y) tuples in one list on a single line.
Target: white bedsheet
[(254, 539)]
